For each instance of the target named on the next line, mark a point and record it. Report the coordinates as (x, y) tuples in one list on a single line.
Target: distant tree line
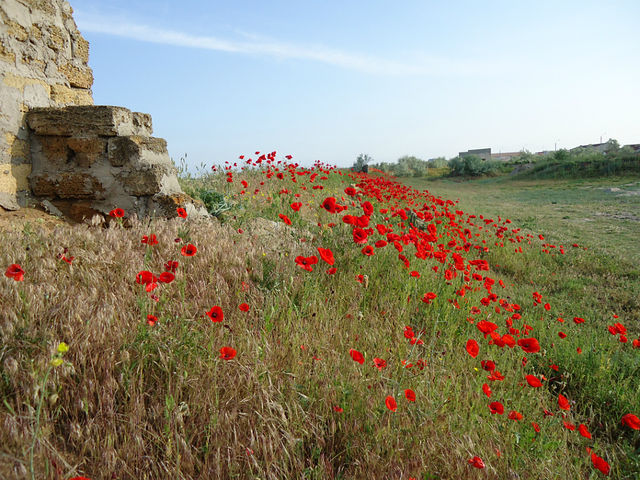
[(585, 161), (410, 166)]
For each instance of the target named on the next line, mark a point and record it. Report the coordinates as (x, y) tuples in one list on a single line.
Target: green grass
[(158, 402), (595, 281)]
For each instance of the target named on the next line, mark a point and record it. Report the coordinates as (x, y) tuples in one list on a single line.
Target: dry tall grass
[(133, 401)]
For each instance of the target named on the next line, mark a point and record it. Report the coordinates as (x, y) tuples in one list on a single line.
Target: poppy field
[(326, 324)]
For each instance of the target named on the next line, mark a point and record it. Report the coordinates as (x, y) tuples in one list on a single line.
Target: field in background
[(602, 213), (328, 362)]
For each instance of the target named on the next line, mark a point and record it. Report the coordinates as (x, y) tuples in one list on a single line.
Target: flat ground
[(15, 221), (603, 214)]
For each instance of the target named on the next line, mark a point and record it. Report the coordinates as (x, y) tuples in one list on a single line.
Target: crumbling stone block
[(138, 150), (54, 143), (143, 181), (87, 120), (67, 185)]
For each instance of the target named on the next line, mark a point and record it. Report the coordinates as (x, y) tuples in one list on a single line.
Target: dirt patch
[(15, 220)]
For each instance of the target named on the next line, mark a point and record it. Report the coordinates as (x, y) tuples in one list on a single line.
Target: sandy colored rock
[(80, 48), (86, 120), (6, 55), (54, 143), (8, 201), (67, 185), (79, 77), (137, 149), (13, 178), (63, 95), (143, 182)]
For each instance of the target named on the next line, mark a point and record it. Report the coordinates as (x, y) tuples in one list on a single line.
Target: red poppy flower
[(391, 404), (379, 363), (171, 266), (631, 421), (508, 340), (569, 425), (563, 403), (327, 255), (285, 219), (488, 365), (367, 208), (487, 390), (338, 409), (151, 320), (600, 464), (243, 307), (486, 327), (306, 262), (15, 271), (496, 375), (150, 239), (188, 250), (536, 427), (329, 204), (476, 462), (408, 332), (359, 236), (513, 415), (357, 356), (350, 191), (533, 381), (216, 314), (427, 297), (166, 277), (578, 320), (529, 345), (182, 213), (331, 271), (584, 431), (410, 395), (227, 353), (496, 407), (117, 213), (145, 277), (296, 206), (368, 251), (472, 348)]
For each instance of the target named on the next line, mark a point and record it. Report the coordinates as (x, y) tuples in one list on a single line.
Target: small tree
[(561, 155), (612, 146), (439, 162), (362, 162), (457, 166)]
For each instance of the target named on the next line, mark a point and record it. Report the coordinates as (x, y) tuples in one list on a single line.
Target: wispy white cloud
[(256, 45)]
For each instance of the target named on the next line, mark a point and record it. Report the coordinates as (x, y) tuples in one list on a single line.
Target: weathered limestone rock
[(43, 63), (54, 143), (51, 208), (90, 120), (105, 157), (141, 151)]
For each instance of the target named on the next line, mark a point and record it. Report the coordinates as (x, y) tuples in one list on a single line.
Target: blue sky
[(328, 80)]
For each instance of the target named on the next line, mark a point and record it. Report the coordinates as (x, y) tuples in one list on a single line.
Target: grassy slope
[(157, 402)]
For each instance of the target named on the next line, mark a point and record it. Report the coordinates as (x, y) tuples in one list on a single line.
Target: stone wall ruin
[(54, 143)]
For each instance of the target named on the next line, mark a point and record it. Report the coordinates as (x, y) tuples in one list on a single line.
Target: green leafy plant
[(215, 202)]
